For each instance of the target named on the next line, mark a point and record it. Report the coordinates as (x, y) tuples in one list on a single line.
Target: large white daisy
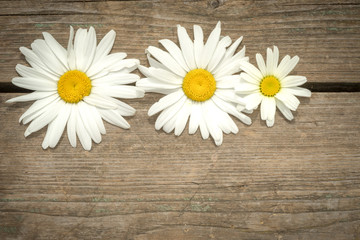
[(76, 87), (199, 82), (271, 86)]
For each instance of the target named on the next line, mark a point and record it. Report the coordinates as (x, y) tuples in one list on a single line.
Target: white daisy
[(199, 82), (76, 87), (271, 86)]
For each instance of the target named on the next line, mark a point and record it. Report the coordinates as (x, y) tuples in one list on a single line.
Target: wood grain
[(324, 34), (297, 180)]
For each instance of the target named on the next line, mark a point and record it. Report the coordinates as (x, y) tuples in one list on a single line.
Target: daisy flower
[(198, 81), (271, 86), (75, 87)]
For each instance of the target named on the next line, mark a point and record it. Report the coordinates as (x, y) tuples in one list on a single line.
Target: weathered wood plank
[(298, 180), (325, 34)]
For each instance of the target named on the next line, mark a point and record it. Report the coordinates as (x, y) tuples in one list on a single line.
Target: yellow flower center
[(199, 85), (270, 86), (73, 86)]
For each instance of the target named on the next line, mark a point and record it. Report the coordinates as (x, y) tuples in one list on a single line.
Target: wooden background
[(297, 180)]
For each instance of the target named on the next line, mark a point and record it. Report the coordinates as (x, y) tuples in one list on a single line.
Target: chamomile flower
[(199, 82), (76, 87), (271, 86)]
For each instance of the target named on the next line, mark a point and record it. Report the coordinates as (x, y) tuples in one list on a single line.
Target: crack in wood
[(7, 87)]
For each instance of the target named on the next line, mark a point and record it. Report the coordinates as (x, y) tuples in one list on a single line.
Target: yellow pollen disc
[(270, 86), (199, 85), (73, 86)]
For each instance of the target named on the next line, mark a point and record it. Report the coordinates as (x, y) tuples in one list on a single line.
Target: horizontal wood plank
[(297, 180), (324, 34)]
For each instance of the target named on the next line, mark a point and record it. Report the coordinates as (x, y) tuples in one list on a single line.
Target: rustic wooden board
[(325, 34), (298, 180)]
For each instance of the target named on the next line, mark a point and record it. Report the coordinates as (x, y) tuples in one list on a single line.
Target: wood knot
[(216, 3)]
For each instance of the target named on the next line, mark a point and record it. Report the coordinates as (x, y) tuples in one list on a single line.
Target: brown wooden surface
[(298, 180)]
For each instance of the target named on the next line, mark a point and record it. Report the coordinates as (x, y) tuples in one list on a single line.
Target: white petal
[(271, 105), (246, 88), (219, 53), (42, 50), (253, 100), (298, 91), (37, 64), (202, 124), (153, 85), (39, 105), (71, 125), (270, 123), (89, 123), (29, 72), (182, 117), (227, 81), (231, 50), (112, 62), (261, 64), (175, 52), (154, 63), (90, 48), (214, 130), (165, 76), (45, 143), (229, 95), (251, 70), (168, 113), (81, 132), (122, 108), (105, 46), (44, 119), (229, 69), (144, 70), (293, 81), (165, 102), (283, 63), (122, 91), (169, 126), (198, 44), (223, 120), (195, 117), (115, 78), (283, 72), (288, 99), (71, 59), (100, 101), (36, 84), (275, 58), (97, 118), (187, 47), (30, 97), (113, 117), (231, 109), (264, 108), (230, 65), (284, 110), (269, 62), (58, 125), (210, 46), (166, 59), (250, 79), (79, 48), (59, 51)]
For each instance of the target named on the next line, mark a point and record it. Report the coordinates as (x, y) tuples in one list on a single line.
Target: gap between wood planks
[(8, 87)]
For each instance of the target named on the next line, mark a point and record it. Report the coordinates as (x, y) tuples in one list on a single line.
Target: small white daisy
[(199, 82), (271, 86), (76, 87)]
